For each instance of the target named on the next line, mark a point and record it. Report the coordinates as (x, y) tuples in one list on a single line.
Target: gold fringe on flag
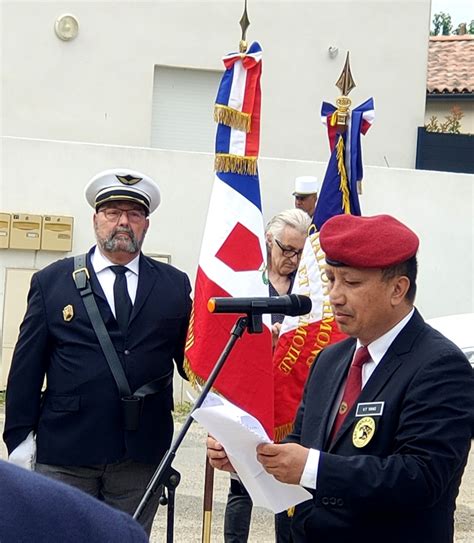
[(194, 379), (282, 431), (343, 186), (233, 118), (245, 165), (190, 335)]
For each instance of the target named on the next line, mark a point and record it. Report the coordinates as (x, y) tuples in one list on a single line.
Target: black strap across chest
[(82, 280)]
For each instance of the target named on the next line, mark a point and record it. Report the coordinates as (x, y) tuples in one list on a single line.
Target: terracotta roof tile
[(451, 64)]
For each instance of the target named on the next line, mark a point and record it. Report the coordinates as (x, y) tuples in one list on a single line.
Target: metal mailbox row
[(36, 232)]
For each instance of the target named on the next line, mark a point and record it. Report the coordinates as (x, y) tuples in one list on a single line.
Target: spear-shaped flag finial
[(244, 24), (345, 84)]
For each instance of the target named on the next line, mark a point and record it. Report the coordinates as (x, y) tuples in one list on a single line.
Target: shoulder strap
[(82, 279), (155, 386)]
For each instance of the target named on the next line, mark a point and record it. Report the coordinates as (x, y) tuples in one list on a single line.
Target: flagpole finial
[(244, 24), (345, 84)]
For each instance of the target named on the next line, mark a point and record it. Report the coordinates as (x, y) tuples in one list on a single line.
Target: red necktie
[(352, 389)]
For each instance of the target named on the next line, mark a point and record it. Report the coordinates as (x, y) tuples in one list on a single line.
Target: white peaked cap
[(122, 184), (306, 184)]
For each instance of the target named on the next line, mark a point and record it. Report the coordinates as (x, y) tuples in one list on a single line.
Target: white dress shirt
[(377, 350), (106, 276)]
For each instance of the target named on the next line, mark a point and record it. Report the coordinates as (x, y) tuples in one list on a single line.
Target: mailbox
[(25, 231), (5, 221), (57, 233)]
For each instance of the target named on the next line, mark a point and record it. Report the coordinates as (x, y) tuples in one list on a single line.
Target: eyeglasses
[(287, 251), (113, 214)]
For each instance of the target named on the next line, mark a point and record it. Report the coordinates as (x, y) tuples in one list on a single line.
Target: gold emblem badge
[(342, 408), (128, 179), (68, 313), (363, 432)]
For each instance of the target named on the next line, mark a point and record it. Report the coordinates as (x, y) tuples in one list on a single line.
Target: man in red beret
[(383, 432)]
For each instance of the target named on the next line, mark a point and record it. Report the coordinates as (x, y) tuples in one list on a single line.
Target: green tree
[(442, 24)]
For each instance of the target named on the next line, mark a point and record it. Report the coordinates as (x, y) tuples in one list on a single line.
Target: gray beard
[(112, 244)]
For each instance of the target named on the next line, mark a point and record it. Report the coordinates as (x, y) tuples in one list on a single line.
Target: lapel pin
[(342, 408), (68, 313)]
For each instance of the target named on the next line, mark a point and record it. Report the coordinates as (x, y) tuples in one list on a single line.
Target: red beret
[(367, 242)]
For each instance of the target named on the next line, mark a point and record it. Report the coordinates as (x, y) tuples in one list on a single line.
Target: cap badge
[(363, 432), (128, 179), (68, 313)]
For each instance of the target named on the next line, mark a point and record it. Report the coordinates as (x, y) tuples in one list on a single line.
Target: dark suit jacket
[(401, 487), (34, 508), (78, 419)]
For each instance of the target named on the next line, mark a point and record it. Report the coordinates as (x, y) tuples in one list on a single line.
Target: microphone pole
[(165, 475)]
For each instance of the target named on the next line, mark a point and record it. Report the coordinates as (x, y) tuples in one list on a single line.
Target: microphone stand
[(167, 477)]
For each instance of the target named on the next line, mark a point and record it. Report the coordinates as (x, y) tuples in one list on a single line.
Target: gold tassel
[(282, 431), (245, 165), (291, 511), (343, 186), (231, 117)]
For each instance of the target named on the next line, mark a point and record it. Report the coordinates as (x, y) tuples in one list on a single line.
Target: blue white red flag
[(339, 192), (233, 252), (302, 338)]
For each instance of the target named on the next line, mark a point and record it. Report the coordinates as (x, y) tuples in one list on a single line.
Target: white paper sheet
[(240, 433)]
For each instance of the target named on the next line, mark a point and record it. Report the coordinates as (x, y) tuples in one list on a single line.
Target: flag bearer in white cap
[(306, 193), (104, 421)]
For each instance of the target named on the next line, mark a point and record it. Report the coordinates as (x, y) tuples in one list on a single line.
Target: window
[(183, 108)]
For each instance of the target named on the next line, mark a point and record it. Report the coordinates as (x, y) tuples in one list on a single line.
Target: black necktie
[(123, 304)]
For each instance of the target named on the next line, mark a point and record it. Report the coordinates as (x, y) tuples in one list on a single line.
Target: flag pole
[(209, 470), (207, 504)]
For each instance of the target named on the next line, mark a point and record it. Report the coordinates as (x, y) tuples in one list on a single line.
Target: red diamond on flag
[(241, 250)]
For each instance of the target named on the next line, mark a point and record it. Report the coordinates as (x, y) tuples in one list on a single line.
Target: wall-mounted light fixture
[(66, 27)]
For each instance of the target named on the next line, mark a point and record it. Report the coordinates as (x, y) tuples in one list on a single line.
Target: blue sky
[(461, 11)]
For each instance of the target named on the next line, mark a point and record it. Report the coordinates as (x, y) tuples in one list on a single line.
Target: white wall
[(98, 87), (49, 177)]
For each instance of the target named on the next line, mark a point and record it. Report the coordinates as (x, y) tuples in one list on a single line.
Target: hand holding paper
[(285, 462), (240, 434)]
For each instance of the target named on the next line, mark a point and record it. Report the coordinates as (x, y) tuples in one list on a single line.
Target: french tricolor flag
[(233, 252)]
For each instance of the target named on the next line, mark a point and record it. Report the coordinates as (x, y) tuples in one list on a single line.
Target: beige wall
[(437, 205), (98, 88)]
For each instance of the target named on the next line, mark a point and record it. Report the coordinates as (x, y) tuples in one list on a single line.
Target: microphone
[(292, 304)]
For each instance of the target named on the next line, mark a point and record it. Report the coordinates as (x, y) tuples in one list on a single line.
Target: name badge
[(372, 409)]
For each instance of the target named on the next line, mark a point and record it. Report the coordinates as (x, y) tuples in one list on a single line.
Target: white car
[(459, 329)]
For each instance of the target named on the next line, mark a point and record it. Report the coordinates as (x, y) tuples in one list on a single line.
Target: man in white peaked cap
[(306, 193), (101, 426)]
